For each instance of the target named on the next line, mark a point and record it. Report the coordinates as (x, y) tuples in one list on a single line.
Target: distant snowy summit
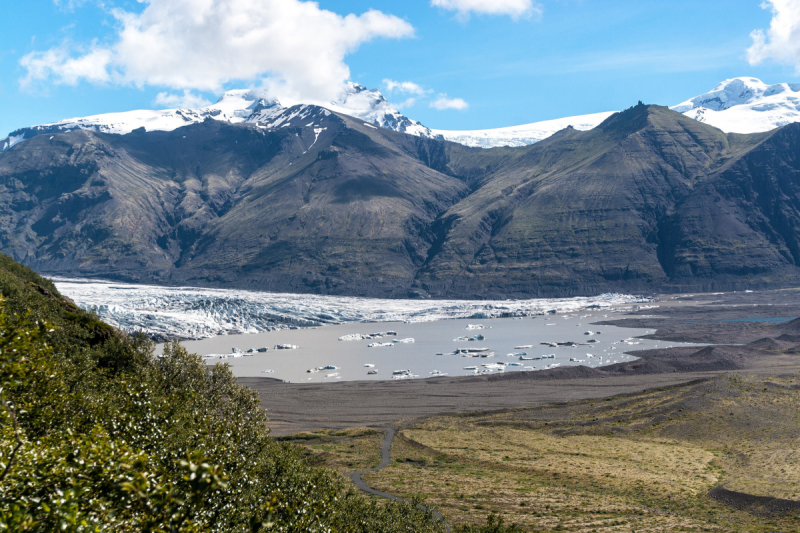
[(738, 105), (521, 135), (745, 105), (239, 106)]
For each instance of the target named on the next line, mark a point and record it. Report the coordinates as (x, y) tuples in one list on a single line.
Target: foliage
[(98, 434)]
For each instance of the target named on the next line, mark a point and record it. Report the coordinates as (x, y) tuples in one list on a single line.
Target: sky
[(451, 64)]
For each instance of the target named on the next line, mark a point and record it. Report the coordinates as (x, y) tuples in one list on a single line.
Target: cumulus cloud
[(781, 42), (443, 102), (404, 87), (58, 64), (186, 100), (512, 8), (294, 46)]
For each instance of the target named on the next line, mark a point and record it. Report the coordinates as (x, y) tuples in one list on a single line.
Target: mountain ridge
[(736, 105), (650, 200)]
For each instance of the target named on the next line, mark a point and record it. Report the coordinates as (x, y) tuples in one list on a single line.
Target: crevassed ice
[(197, 313)]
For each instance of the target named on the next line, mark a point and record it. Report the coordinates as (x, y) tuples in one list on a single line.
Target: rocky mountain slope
[(321, 202)]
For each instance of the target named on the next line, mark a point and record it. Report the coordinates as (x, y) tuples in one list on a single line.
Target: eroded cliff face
[(648, 201)]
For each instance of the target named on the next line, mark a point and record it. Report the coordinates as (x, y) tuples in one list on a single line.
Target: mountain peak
[(234, 106), (745, 105)]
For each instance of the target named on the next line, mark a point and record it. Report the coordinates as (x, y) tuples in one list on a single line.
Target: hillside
[(97, 434), (650, 200)]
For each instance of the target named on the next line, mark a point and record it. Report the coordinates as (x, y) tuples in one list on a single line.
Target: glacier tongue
[(197, 313)]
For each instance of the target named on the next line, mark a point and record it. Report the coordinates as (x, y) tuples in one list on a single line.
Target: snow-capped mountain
[(234, 106), (745, 105), (738, 105), (521, 135), (370, 106)]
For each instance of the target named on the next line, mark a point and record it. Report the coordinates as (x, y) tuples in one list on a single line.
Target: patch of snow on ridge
[(11, 140), (521, 135), (196, 313), (745, 105)]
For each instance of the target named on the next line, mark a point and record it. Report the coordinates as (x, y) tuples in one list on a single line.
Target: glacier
[(745, 105), (193, 313), (521, 135)]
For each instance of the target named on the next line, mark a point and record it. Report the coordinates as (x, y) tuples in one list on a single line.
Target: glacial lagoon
[(432, 351), (508, 336)]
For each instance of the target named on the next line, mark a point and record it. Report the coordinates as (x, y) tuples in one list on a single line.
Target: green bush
[(98, 434)]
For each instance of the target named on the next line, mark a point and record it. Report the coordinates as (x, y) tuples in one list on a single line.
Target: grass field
[(642, 462), (344, 450)]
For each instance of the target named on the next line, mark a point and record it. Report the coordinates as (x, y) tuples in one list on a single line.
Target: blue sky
[(554, 58)]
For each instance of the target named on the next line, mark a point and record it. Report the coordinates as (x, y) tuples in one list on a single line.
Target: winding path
[(386, 457)]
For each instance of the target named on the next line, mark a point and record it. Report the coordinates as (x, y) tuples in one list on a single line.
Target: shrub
[(98, 434)]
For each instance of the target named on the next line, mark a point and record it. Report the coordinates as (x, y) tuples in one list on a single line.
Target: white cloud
[(296, 47), (58, 64), (512, 8), (405, 104), (781, 42), (443, 102), (404, 87), (186, 100)]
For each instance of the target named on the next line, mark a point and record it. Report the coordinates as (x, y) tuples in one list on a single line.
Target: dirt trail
[(386, 457)]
